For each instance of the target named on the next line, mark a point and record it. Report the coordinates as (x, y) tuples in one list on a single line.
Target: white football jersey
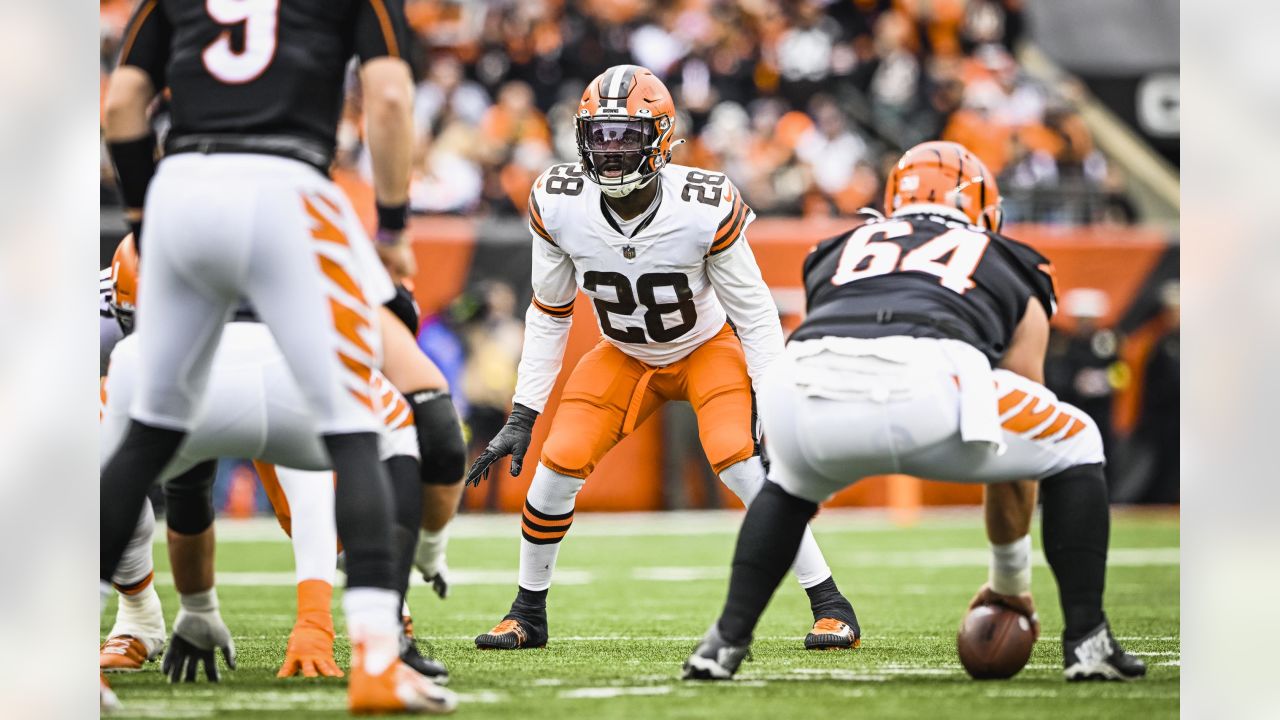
[(661, 284)]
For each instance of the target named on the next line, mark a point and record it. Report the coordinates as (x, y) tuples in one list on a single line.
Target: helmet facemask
[(621, 154)]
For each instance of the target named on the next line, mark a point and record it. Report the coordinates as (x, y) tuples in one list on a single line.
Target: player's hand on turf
[(513, 439), (1022, 604), (396, 254), (430, 561), (195, 637)]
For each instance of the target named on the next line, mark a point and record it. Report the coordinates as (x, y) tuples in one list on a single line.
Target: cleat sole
[(831, 642)]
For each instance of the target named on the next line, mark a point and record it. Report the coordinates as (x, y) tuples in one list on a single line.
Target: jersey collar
[(933, 209), (613, 223)]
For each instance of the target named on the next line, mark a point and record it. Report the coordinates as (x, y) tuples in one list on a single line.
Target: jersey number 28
[(260, 18), (867, 254), (646, 287)]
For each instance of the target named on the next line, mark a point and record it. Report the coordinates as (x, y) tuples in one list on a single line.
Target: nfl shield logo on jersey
[(629, 252)]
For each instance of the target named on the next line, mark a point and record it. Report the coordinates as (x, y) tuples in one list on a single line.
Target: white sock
[(315, 530), (373, 622), (104, 594), (205, 601), (745, 480), (548, 513), (135, 564), (141, 616), (1011, 567)]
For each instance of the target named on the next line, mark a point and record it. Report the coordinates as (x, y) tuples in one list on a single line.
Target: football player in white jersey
[(233, 422), (661, 251)]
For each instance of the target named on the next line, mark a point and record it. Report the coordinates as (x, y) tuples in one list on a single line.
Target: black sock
[(529, 603), (406, 489), (767, 546), (125, 480), (826, 601), (1075, 526), (362, 504)]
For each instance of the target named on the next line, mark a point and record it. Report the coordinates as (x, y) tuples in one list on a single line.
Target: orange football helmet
[(625, 123), (945, 173), (124, 282)]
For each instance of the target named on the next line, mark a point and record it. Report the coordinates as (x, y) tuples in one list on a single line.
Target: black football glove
[(184, 656), (512, 439)]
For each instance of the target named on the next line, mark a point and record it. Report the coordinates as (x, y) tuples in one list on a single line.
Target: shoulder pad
[(559, 183), (1038, 270), (713, 196)]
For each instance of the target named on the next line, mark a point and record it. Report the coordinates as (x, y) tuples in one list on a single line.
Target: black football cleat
[(428, 667), (1097, 656), (514, 633), (714, 658), (831, 634)]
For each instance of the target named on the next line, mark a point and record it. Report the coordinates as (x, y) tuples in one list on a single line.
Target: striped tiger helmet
[(947, 174), (624, 125), (124, 283)]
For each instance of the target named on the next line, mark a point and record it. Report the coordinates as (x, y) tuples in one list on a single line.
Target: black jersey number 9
[(565, 179), (646, 288), (709, 187), (259, 18)]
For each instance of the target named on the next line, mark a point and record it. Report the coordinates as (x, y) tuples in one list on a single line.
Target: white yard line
[(649, 524), (593, 693), (456, 577)]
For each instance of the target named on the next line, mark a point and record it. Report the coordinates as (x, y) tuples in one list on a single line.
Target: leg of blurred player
[(139, 631), (303, 503), (714, 379), (199, 628)]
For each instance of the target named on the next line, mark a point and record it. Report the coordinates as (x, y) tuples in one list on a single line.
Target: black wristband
[(393, 218), (135, 164), (526, 416)]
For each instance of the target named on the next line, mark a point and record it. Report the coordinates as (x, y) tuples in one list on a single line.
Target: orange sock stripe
[(137, 587), (547, 524), (543, 535)]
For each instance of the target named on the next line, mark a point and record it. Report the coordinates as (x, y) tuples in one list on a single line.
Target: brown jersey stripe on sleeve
[(724, 246), (535, 221), (558, 311), (388, 33), (132, 36), (729, 233)]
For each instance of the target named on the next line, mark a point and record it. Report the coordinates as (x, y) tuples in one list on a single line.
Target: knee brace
[(441, 447), (189, 499)]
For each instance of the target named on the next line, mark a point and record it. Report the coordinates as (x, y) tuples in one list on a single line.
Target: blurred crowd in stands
[(802, 103)]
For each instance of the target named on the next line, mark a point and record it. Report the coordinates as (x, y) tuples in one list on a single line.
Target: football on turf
[(994, 642)]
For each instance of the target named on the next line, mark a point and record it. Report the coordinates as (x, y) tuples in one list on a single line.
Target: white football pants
[(226, 227), (893, 405)]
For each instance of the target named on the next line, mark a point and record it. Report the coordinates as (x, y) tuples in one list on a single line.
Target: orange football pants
[(609, 394)]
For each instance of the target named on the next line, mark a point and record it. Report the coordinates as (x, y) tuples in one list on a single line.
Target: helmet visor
[(617, 147)]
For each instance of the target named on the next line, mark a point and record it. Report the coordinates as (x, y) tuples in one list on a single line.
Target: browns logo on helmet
[(945, 174), (625, 123), (124, 283)]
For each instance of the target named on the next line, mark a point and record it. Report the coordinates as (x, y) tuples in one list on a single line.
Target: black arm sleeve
[(381, 30), (146, 42)]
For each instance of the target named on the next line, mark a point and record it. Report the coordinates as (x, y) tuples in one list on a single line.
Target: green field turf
[(635, 592)]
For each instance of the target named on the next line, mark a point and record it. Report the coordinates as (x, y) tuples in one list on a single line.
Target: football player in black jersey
[(242, 207), (923, 353)]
